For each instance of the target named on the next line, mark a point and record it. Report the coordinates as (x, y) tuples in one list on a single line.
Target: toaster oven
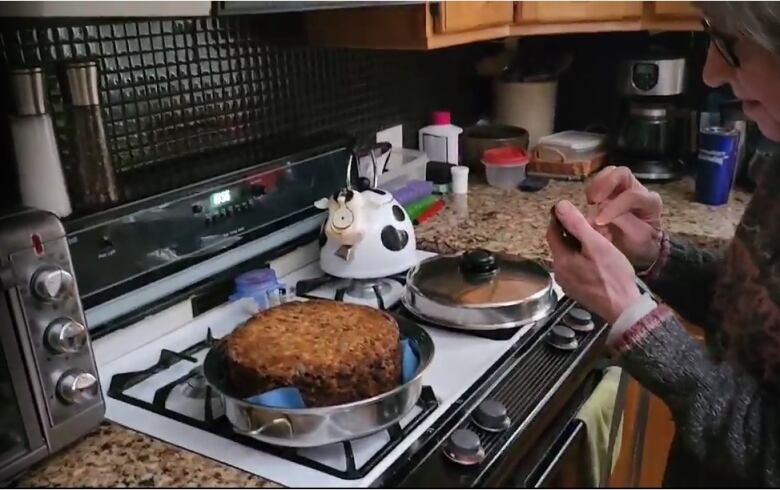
[(49, 393)]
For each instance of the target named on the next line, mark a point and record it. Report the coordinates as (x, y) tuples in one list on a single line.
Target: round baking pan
[(479, 290), (319, 426)]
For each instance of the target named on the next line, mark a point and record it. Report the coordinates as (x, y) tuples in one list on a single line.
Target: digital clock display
[(220, 198)]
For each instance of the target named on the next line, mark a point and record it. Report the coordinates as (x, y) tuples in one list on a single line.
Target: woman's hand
[(629, 215), (599, 276)]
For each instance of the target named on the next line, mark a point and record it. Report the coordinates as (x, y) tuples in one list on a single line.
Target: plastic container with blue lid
[(261, 285)]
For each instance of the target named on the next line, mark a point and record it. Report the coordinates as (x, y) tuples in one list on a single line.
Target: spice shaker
[(92, 160), (41, 179)]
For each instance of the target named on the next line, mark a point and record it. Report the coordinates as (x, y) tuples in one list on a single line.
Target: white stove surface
[(459, 360)]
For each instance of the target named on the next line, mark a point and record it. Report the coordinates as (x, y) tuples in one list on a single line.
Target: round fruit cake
[(332, 352)]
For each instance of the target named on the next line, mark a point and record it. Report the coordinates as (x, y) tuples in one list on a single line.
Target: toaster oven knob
[(51, 283), (491, 415), (66, 336), (77, 387), (464, 447)]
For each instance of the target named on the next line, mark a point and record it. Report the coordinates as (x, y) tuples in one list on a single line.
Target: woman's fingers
[(554, 240), (609, 183), (644, 204), (575, 223)]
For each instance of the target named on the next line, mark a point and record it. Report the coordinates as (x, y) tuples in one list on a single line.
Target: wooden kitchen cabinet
[(653, 446), (563, 12), (468, 16), (433, 25), (678, 10), (538, 18), (671, 16), (417, 26)]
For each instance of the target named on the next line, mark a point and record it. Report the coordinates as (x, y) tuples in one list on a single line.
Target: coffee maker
[(654, 134)]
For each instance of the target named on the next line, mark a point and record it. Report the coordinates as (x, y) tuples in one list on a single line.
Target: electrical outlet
[(393, 135)]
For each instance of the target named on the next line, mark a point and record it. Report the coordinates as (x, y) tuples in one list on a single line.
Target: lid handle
[(478, 264)]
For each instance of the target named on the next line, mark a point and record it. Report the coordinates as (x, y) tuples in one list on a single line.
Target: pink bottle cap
[(440, 118)]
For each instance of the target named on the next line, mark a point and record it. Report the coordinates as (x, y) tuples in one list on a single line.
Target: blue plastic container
[(717, 159), (261, 285)]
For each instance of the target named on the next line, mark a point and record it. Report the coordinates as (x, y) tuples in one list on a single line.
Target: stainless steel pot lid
[(479, 290)]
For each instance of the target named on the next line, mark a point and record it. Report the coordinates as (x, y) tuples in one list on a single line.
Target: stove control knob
[(51, 283), (77, 387), (579, 320), (491, 416), (562, 337), (66, 336), (464, 447)]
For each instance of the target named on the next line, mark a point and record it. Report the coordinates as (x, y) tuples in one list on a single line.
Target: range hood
[(269, 7)]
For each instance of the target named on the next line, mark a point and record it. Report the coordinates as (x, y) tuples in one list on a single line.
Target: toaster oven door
[(21, 440)]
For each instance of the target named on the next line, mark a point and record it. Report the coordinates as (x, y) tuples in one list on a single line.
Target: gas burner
[(382, 293), (369, 288), (195, 386), (185, 400)]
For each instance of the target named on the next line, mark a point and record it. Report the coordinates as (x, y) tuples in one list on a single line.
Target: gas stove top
[(157, 389), (174, 387), (486, 401)]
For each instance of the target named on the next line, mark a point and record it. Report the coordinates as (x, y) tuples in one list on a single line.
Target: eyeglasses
[(724, 44)]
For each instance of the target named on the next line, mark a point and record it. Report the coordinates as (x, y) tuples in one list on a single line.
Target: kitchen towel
[(290, 397), (597, 415)]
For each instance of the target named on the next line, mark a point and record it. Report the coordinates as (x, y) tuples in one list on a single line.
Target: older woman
[(725, 396)]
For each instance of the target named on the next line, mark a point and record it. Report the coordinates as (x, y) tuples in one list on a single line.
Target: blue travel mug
[(717, 160)]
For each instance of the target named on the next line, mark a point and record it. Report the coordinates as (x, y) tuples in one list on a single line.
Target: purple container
[(261, 285), (717, 159), (256, 277)]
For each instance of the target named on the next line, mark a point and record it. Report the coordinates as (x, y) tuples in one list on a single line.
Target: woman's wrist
[(640, 307), (620, 304), (648, 267)]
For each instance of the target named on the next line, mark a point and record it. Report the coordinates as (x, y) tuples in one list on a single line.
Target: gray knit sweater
[(724, 396)]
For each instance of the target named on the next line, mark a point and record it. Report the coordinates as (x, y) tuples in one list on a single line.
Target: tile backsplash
[(185, 86)]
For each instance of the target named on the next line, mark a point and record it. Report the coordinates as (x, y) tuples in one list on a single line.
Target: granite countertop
[(498, 220), (113, 456), (516, 222)]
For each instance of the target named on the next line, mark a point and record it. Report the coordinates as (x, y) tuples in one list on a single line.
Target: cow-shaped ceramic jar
[(367, 235)]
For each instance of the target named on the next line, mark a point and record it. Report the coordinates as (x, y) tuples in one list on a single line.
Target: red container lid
[(509, 156), (440, 118)]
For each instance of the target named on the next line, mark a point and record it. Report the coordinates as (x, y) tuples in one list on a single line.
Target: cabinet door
[(549, 12), (452, 17), (680, 10)]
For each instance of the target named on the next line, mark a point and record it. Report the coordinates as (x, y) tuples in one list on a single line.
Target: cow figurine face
[(348, 212)]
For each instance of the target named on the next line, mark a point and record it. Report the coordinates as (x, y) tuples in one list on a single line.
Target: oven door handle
[(549, 465)]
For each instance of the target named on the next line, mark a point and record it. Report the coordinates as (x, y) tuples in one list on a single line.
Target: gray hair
[(756, 21)]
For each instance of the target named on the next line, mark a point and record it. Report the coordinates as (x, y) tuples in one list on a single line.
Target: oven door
[(563, 464), (560, 457), (21, 440)]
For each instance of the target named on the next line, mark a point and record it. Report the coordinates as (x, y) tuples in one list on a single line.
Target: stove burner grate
[(358, 288), (122, 382), (196, 387)]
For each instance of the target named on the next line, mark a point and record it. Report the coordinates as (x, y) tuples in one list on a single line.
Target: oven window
[(13, 439)]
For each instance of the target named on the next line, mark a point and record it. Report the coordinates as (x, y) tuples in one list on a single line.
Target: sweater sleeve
[(725, 417), (685, 277)]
